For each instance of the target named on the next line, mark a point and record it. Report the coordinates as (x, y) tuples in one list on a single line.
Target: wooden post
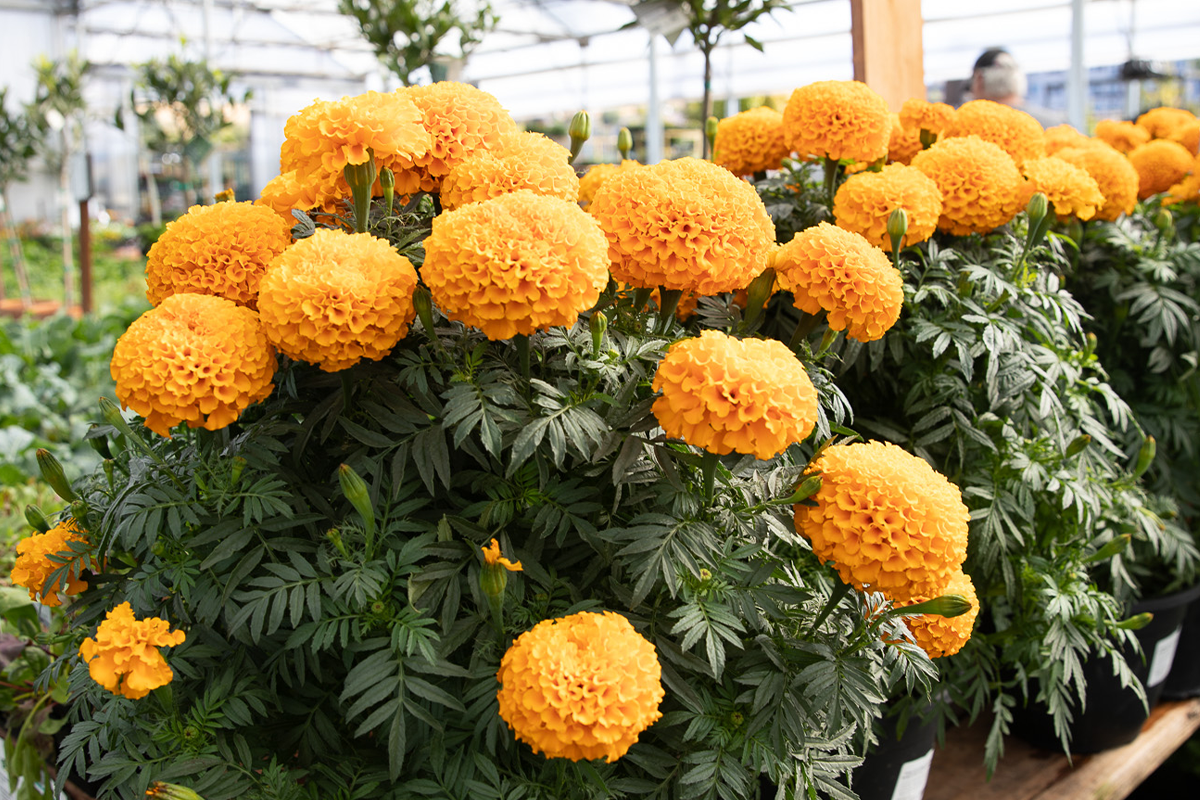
[(85, 260), (888, 53)]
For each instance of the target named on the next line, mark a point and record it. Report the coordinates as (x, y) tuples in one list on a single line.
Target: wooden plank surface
[(1027, 773), (888, 51)]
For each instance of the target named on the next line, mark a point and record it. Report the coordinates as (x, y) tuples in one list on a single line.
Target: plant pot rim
[(1182, 597)]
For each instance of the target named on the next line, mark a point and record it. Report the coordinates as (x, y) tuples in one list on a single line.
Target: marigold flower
[(580, 687), (1017, 133), (839, 271), (903, 143), (865, 201), (1070, 188), (886, 520), (750, 141), (516, 264), (287, 191), (942, 636), (222, 249), (124, 657), (1121, 135), (194, 358), (684, 224), (1063, 136), (1116, 177), (336, 298), (33, 565), (1177, 124), (1187, 190), (462, 120), (523, 161), (1160, 164), (837, 119), (492, 557), (591, 181), (921, 115), (980, 184), (725, 395)]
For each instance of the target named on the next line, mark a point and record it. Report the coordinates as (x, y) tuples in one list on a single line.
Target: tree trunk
[(14, 249), (64, 190)]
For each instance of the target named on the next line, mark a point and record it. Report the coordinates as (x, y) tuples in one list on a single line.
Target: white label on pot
[(910, 785), (1164, 656)]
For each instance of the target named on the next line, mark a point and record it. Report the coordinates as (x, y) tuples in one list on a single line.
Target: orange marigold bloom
[(515, 264), (981, 186), (726, 395), (462, 120), (336, 298), (124, 657), (1188, 189), (684, 224), (837, 119), (287, 191), (903, 143), (1160, 164), (222, 249), (33, 566), (492, 557), (1177, 124), (750, 141), (839, 271), (1062, 136), (580, 687), (865, 201), (524, 161), (596, 176), (1122, 135), (195, 358), (1070, 188), (1017, 133), (1116, 177), (921, 115), (886, 520), (942, 636)]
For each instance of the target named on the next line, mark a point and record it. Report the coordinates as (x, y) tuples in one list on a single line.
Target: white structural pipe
[(654, 125), (1077, 86)]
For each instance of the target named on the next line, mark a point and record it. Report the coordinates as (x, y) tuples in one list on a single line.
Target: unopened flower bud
[(98, 442), (710, 130), (387, 181), (807, 488), (235, 472), (223, 196), (1163, 220), (79, 510), (1136, 622), (1078, 445), (624, 142), (171, 791), (423, 303), (36, 519), (1110, 549), (356, 491), (1037, 209), (948, 605), (598, 324), (580, 131), (52, 473), (1145, 456), (897, 227)]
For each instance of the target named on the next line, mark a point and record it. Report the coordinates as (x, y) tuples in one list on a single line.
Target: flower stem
[(831, 176), (522, 344), (641, 297), (668, 302), (708, 471), (804, 326), (840, 590)]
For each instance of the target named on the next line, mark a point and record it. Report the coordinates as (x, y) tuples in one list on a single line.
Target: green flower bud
[(948, 605), (423, 303), (239, 464), (108, 471), (1079, 444), (335, 538), (356, 491), (624, 142), (710, 129), (1090, 346), (361, 175), (98, 442), (172, 791), (1037, 209), (807, 488), (111, 413), (1110, 549), (1145, 456), (79, 510), (52, 473), (927, 139), (493, 581), (580, 131), (36, 519), (1136, 622), (598, 324), (1163, 220), (897, 228), (387, 181), (223, 196)]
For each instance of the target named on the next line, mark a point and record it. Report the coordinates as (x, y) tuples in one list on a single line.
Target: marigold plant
[(336, 298), (124, 657), (1014, 131), (194, 358), (523, 161), (886, 519), (903, 143), (222, 249), (1062, 136), (289, 191), (1187, 190), (580, 687), (685, 224), (462, 120), (33, 565), (750, 141), (1160, 164), (840, 272), (980, 184), (1114, 175), (591, 181), (1176, 124), (941, 636), (516, 264), (1071, 189), (837, 119), (864, 203), (1122, 135), (725, 395), (921, 115)]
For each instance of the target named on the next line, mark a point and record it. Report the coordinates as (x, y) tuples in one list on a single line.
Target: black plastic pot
[(897, 768), (1114, 715), (1184, 680)]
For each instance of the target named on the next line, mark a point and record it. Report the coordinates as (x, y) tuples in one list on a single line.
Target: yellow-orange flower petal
[(865, 201), (981, 186), (492, 557), (33, 565), (1122, 135), (750, 141), (1062, 136), (222, 249), (921, 115), (515, 264), (942, 636), (1177, 124), (685, 224), (523, 161), (336, 298), (125, 658), (725, 395), (1116, 177), (840, 272), (462, 121), (837, 119), (1160, 164), (591, 181), (1014, 131), (1070, 188), (194, 358), (903, 143), (1188, 189), (886, 520), (580, 687)]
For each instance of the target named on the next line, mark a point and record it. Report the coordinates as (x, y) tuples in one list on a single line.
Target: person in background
[(998, 77)]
